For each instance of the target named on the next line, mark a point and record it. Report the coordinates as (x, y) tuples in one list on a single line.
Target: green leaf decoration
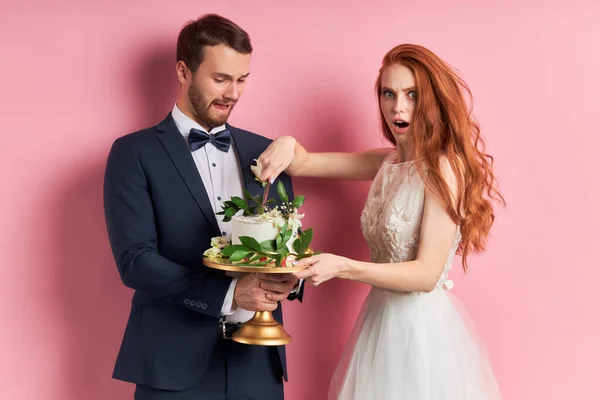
[(298, 245), (306, 237), (239, 255), (269, 245), (287, 236), (229, 250), (228, 204), (298, 201), (281, 191), (239, 202), (251, 243)]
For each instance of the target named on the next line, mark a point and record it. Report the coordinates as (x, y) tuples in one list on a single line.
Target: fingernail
[(271, 179), (294, 262)]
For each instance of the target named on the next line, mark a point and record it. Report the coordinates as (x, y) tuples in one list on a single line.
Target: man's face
[(215, 87)]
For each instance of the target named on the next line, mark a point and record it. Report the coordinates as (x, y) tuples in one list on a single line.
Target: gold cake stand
[(262, 329)]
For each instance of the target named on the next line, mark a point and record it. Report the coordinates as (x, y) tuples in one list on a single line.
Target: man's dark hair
[(209, 30)]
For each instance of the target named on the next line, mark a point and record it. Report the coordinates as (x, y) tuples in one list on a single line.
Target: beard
[(201, 108)]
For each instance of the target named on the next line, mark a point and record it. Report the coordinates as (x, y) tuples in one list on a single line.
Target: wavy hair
[(443, 126)]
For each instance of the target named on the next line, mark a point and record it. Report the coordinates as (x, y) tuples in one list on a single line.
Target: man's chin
[(220, 120)]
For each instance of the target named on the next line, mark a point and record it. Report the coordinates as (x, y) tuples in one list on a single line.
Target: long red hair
[(443, 126)]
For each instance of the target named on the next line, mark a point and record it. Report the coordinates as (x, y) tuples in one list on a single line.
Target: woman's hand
[(321, 268), (277, 157)]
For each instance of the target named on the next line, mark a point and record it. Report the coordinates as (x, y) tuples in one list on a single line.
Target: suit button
[(186, 302), (204, 306), (193, 303)]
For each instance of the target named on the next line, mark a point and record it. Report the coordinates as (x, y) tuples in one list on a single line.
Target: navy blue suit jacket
[(159, 222)]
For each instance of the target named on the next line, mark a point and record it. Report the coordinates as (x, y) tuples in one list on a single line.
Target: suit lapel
[(246, 152), (180, 154)]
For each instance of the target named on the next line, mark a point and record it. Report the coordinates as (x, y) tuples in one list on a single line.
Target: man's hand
[(278, 286), (262, 292)]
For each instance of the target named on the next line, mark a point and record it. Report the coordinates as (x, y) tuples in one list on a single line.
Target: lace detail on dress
[(391, 218)]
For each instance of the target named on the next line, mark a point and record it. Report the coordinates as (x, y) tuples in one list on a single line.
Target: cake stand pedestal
[(262, 329)]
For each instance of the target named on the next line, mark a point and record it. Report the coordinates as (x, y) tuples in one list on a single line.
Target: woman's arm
[(286, 154), (438, 233)]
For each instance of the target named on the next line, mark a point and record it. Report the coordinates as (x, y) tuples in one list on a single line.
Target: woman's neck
[(405, 152)]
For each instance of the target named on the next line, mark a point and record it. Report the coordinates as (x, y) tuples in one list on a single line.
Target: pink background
[(75, 75)]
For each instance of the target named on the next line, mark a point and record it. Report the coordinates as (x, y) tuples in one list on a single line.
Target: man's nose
[(233, 92)]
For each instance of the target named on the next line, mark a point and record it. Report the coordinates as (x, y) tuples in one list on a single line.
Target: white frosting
[(258, 228)]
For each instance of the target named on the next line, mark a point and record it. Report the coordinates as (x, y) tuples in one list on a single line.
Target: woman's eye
[(412, 94)]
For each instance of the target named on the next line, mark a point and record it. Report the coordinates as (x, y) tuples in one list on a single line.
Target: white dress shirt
[(222, 178)]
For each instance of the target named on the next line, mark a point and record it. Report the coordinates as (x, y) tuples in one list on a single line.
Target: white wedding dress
[(409, 345)]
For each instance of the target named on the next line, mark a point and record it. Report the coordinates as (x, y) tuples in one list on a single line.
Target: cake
[(262, 233), (262, 227), (259, 239)]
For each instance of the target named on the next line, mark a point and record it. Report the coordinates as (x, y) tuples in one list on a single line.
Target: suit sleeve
[(299, 293), (133, 238)]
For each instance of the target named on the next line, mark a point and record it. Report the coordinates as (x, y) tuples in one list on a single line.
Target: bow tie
[(198, 139)]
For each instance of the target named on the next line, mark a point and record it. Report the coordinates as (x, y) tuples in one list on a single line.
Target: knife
[(266, 194)]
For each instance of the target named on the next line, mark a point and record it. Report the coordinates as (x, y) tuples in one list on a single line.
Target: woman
[(430, 198)]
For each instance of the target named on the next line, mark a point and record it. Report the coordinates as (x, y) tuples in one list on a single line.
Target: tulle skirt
[(413, 346)]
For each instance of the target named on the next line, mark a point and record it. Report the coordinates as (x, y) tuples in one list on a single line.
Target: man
[(163, 186)]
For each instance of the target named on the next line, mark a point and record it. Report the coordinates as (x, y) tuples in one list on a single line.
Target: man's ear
[(183, 72)]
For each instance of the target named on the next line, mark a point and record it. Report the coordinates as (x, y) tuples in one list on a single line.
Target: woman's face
[(397, 99)]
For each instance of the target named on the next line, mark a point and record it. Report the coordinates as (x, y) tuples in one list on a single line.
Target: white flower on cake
[(262, 233), (279, 222), (219, 242), (278, 219)]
